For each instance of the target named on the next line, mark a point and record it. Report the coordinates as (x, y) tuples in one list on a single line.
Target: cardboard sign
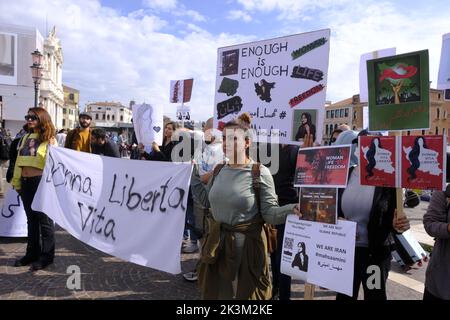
[(318, 253), (399, 92), (319, 204), (423, 162), (281, 82)]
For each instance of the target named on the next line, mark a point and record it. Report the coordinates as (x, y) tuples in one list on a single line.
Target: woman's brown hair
[(46, 128), (242, 122)]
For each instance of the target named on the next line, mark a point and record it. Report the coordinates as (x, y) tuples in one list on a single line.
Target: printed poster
[(399, 92), (281, 82), (319, 253), (323, 167), (13, 219), (423, 162), (181, 90), (148, 124), (378, 161), (319, 204)]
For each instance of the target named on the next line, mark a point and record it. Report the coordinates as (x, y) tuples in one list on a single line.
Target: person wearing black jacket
[(163, 152), (283, 179), (374, 211), (13, 149), (102, 145)]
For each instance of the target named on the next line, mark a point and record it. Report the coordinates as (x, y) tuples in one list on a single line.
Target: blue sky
[(130, 50)]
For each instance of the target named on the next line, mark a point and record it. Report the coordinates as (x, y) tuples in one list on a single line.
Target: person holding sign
[(374, 211), (28, 170), (163, 152), (241, 195)]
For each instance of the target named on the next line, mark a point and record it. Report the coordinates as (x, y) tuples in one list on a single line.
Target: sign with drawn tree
[(399, 92)]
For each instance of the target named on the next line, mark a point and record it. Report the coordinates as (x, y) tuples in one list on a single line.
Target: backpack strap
[(216, 171), (256, 183)]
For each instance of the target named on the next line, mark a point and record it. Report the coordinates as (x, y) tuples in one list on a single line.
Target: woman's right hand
[(297, 211)]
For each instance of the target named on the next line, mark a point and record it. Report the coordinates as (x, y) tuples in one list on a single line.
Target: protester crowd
[(232, 235)]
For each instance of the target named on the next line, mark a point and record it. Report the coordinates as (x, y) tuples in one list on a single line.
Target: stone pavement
[(106, 277)]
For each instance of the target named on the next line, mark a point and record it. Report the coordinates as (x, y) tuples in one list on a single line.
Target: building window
[(326, 130), (112, 117), (423, 132), (121, 118), (335, 126), (328, 114), (332, 114), (121, 109), (354, 116), (99, 108), (71, 97), (439, 96), (107, 117), (346, 112), (341, 113), (64, 110), (443, 131), (437, 113), (96, 116), (104, 115), (437, 131), (64, 122)]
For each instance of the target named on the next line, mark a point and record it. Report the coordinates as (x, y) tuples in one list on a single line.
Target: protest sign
[(281, 82), (183, 112), (181, 90), (363, 87), (443, 82), (319, 204), (148, 124), (323, 167), (399, 92), (423, 162), (378, 161), (318, 253), (131, 209), (13, 219)]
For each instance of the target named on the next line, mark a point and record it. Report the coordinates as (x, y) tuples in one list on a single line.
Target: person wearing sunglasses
[(29, 165)]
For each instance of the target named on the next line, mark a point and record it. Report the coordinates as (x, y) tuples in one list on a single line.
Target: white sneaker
[(190, 247), (190, 276)]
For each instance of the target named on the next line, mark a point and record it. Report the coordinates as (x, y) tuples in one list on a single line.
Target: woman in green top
[(234, 262)]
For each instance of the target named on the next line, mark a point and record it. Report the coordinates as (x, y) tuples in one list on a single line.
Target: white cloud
[(360, 27), (160, 4), (175, 8), (239, 15), (122, 58)]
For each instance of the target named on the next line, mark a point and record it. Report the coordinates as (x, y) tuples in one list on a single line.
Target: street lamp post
[(36, 71)]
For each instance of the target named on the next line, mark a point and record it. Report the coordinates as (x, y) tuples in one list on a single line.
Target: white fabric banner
[(148, 124), (13, 220), (281, 82), (363, 86), (444, 65), (131, 209), (320, 253)]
